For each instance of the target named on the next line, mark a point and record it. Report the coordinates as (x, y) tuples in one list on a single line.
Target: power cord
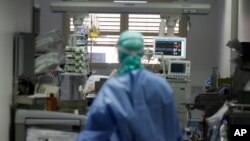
[(189, 107)]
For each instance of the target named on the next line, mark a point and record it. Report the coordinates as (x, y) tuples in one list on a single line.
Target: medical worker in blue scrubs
[(136, 105)]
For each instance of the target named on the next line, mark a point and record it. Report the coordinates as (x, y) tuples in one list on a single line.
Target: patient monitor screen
[(174, 47), (169, 47), (178, 68)]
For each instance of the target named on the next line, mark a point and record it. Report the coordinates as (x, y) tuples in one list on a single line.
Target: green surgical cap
[(131, 40), (130, 51)]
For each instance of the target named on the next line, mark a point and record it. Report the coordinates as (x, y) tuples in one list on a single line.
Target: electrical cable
[(60, 83), (189, 115), (189, 107)]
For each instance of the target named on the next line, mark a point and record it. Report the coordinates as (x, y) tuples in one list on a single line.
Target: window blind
[(148, 25)]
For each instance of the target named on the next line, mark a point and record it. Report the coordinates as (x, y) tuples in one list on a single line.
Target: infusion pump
[(178, 69)]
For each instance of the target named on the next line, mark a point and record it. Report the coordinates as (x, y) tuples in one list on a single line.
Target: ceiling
[(151, 1)]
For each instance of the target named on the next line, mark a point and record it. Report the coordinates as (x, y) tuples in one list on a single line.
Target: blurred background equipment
[(31, 125), (47, 41), (76, 60), (48, 58), (24, 53), (76, 53), (47, 62)]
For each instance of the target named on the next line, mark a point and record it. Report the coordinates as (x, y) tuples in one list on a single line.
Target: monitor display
[(171, 47), (36, 134), (178, 68)]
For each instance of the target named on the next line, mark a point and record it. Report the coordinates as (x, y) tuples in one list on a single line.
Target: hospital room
[(125, 70)]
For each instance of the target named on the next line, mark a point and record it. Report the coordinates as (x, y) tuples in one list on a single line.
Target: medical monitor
[(171, 47), (178, 69)]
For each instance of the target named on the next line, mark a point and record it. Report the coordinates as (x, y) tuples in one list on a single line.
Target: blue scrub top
[(136, 106)]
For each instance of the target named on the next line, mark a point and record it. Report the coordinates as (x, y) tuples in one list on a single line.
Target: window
[(111, 25), (144, 23), (148, 24)]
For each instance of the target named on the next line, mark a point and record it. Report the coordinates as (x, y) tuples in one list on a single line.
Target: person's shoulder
[(155, 79), (110, 81), (114, 82), (108, 88), (154, 76)]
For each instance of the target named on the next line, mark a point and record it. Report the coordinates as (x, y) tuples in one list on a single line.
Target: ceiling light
[(126, 1)]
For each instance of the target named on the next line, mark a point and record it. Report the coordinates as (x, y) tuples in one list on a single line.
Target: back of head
[(130, 51)]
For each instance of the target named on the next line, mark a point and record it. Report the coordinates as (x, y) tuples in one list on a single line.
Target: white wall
[(224, 31), (228, 29), (15, 17), (244, 21), (48, 19), (202, 44)]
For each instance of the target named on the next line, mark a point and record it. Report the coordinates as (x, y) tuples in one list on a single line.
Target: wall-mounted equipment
[(29, 121), (24, 52), (178, 69), (172, 47), (114, 7)]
